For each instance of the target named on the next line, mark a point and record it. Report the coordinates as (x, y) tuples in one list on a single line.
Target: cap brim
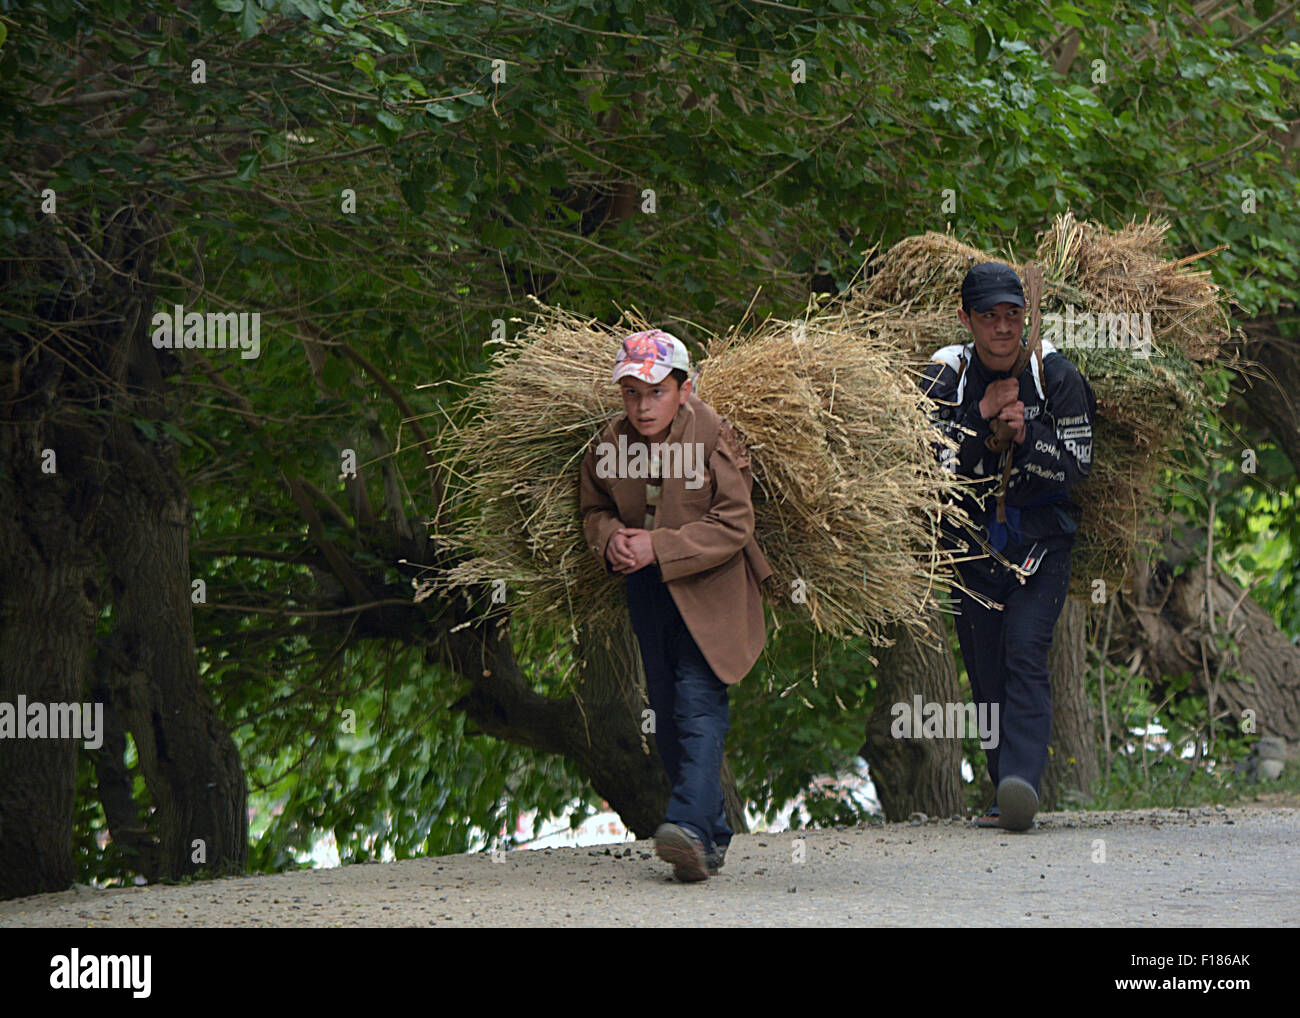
[(993, 300), (632, 369)]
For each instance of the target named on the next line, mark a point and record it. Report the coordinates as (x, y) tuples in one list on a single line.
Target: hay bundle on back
[(847, 491), (1148, 393), (1122, 271), (1144, 403), (516, 464), (847, 494), (918, 272)]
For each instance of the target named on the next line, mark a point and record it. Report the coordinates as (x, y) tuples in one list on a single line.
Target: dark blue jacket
[(1056, 453)]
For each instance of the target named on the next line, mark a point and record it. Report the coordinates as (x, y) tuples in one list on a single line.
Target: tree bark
[(914, 775), (1267, 384), (113, 502), (1072, 763), (47, 625), (1168, 619), (114, 784), (189, 761), (611, 694), (51, 478)]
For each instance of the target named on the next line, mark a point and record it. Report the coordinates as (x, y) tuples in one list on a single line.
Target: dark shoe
[(991, 817), (1018, 802), (714, 858), (683, 850)]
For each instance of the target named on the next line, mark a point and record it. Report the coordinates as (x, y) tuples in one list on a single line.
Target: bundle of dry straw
[(847, 494), (1144, 404)]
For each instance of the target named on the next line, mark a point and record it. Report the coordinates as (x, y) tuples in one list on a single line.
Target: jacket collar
[(982, 371), (985, 375)]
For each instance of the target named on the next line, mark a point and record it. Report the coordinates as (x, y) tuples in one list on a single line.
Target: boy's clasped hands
[(629, 549)]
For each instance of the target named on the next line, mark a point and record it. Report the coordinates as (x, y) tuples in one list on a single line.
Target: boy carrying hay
[(1030, 437), (665, 500)]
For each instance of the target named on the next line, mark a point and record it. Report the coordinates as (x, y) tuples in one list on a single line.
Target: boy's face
[(652, 407), (996, 333)]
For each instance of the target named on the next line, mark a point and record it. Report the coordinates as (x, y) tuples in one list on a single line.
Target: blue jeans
[(1005, 653), (690, 707)]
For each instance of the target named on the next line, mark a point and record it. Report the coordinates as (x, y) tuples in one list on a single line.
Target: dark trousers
[(1005, 653), (690, 707)]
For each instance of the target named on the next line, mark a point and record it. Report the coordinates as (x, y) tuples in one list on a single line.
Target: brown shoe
[(683, 850)]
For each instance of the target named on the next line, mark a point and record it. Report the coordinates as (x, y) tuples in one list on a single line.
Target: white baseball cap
[(650, 356)]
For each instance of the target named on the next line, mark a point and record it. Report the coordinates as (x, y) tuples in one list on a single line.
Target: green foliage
[(409, 782), (800, 715), (1176, 768), (1253, 489)]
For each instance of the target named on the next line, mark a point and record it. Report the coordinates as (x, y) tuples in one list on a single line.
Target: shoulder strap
[(960, 390)]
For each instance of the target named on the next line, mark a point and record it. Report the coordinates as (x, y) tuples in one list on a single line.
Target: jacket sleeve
[(725, 529), (600, 519), (963, 425), (1057, 450)]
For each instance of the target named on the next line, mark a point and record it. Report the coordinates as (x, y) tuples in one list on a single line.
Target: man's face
[(996, 333), (651, 407)]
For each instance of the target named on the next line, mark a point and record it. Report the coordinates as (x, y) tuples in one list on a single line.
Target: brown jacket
[(703, 538)]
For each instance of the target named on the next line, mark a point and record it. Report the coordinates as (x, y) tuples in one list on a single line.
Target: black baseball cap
[(988, 285)]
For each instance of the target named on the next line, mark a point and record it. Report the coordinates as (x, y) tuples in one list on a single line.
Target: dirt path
[(1185, 867)]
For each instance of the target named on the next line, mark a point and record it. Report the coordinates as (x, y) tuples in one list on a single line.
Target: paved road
[(1186, 867)]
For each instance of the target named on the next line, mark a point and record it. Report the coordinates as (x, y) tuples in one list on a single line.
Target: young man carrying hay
[(682, 532), (1023, 423)]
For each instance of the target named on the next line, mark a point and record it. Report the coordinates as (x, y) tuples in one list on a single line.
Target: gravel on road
[(1202, 866)]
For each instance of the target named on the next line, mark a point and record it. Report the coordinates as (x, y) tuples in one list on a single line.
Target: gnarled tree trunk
[(47, 627), (1072, 762), (914, 775), (108, 500), (1168, 618), (51, 477), (189, 761)]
